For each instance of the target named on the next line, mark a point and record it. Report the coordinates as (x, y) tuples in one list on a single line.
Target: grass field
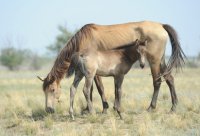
[(22, 107)]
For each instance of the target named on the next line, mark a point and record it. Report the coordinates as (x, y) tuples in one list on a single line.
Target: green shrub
[(12, 58)]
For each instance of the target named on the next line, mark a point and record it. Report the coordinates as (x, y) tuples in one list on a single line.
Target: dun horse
[(89, 63), (98, 37)]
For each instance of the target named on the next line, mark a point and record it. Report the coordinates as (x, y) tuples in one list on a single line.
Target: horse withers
[(90, 63)]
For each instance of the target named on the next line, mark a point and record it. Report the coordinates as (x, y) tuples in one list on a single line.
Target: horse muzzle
[(49, 110)]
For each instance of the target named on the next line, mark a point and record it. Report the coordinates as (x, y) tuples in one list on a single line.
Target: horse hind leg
[(170, 82), (155, 70), (73, 88), (100, 89)]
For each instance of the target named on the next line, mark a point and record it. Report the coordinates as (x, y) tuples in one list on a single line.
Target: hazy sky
[(33, 23)]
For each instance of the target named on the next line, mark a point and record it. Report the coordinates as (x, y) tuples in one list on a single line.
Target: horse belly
[(106, 70)]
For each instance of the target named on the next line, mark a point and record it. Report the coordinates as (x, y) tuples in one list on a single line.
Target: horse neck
[(59, 70), (62, 62), (130, 53), (60, 67)]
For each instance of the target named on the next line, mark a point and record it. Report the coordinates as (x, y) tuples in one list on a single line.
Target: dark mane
[(124, 46), (130, 45), (62, 61)]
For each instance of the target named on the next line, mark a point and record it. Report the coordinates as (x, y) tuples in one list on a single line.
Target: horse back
[(113, 36)]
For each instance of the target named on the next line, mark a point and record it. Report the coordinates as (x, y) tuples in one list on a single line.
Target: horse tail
[(77, 61), (177, 57)]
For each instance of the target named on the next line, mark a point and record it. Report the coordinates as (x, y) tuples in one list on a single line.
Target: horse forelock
[(61, 63), (45, 84), (48, 80)]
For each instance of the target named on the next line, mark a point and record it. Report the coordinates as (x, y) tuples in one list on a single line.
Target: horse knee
[(157, 83), (169, 78), (72, 88), (85, 90)]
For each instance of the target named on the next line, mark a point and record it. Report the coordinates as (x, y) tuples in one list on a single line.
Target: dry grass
[(22, 107)]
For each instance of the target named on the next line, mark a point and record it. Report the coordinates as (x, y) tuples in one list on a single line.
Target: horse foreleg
[(118, 94), (155, 70), (91, 91), (73, 88), (86, 91), (100, 89)]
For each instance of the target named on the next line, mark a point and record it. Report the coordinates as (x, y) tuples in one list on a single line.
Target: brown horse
[(89, 63), (98, 37)]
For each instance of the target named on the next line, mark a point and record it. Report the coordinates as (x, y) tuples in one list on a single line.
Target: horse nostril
[(50, 110), (59, 101), (142, 65)]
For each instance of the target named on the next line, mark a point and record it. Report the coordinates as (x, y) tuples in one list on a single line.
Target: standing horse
[(99, 37), (89, 63)]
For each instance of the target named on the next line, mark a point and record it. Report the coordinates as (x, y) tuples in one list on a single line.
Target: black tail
[(73, 65), (177, 58)]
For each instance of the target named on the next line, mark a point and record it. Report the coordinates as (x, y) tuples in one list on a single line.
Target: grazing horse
[(89, 63), (105, 37)]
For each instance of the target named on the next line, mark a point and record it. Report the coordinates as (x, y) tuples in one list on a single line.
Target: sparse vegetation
[(48, 122), (22, 107), (17, 59)]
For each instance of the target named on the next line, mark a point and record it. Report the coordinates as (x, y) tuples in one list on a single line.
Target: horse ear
[(145, 43), (40, 78), (137, 43)]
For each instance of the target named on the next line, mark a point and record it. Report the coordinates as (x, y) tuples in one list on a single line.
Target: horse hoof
[(150, 109), (104, 111), (115, 108), (72, 117), (84, 112), (86, 109), (92, 112), (105, 105), (119, 113), (173, 110), (50, 110)]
